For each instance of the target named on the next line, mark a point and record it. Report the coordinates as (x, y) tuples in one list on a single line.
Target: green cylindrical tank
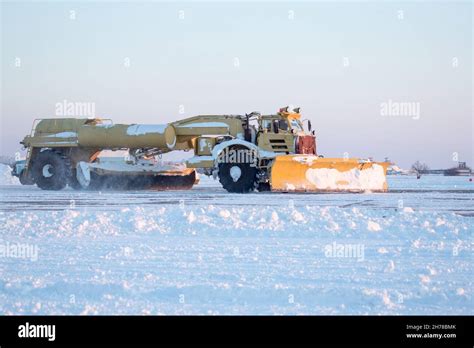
[(127, 136), (94, 133)]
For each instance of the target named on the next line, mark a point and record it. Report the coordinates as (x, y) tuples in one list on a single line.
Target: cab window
[(267, 124), (283, 125)]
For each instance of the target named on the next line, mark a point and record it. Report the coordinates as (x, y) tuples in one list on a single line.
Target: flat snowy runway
[(205, 251)]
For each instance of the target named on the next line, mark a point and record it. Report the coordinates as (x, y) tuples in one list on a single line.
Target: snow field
[(205, 251), (238, 261)]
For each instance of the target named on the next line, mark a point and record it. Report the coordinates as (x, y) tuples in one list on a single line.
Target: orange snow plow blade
[(308, 173)]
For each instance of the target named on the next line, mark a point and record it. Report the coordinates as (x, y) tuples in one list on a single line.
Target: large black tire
[(50, 170), (25, 179), (244, 183)]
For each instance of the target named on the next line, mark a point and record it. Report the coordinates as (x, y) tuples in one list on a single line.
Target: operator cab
[(275, 124)]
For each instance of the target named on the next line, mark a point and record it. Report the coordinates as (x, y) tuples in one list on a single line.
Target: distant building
[(461, 170)]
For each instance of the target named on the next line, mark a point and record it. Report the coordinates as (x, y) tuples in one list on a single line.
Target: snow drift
[(6, 177)]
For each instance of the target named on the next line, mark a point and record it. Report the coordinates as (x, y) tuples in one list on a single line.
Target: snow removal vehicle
[(245, 152)]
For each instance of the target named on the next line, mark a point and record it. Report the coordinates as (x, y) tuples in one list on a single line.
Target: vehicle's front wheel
[(237, 177), (50, 170)]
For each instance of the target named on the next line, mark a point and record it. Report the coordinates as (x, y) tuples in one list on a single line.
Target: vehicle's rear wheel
[(237, 177), (50, 170)]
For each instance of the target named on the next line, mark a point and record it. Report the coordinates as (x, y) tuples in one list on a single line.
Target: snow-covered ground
[(206, 251)]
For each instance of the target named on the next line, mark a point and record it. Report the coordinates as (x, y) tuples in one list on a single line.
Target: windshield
[(282, 124)]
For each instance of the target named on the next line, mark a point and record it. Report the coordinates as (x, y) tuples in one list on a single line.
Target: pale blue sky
[(190, 62)]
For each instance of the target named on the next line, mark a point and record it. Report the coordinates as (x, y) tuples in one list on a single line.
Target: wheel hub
[(235, 173), (47, 171)]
